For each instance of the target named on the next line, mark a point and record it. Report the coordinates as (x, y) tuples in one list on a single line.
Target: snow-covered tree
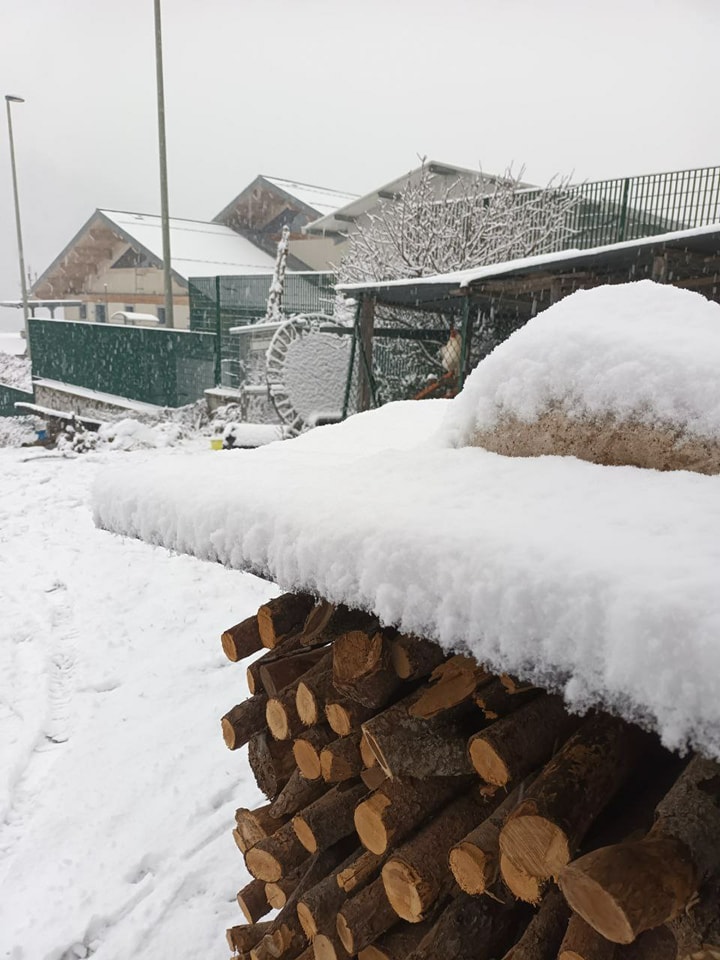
[(277, 285), (434, 226)]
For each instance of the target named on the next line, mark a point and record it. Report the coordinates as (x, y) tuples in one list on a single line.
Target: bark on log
[(327, 622), (357, 874), (394, 734), (278, 672), (272, 763), (450, 684), (514, 684), (495, 700), (244, 721), (278, 891), (319, 905), (413, 657), (361, 667), (475, 861), (297, 793), (241, 640), (418, 873), (253, 901), (254, 825), (281, 616), (657, 944), (697, 928), (329, 818), (521, 884), (306, 750), (543, 935), (313, 690), (345, 715), (341, 760), (472, 928), (367, 753), (276, 856), (543, 832), (365, 917), (627, 888), (513, 747), (581, 942), (396, 808), (243, 938), (372, 777), (398, 943)]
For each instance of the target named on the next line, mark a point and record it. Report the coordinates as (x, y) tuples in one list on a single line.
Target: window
[(161, 314), (82, 313), (132, 258), (129, 308), (100, 313)]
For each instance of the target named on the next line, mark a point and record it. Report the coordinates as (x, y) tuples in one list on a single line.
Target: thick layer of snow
[(15, 370), (645, 352), (117, 792), (602, 582), (12, 343)]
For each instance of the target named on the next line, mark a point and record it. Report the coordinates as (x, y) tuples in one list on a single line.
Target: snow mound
[(15, 370), (639, 355)]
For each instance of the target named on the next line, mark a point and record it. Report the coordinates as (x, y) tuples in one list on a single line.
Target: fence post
[(465, 332), (351, 364), (218, 335), (622, 224)]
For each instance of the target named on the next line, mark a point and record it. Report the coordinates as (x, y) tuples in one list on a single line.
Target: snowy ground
[(117, 792)]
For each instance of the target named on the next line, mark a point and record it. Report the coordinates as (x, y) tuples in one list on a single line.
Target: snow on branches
[(273, 312), (433, 226)]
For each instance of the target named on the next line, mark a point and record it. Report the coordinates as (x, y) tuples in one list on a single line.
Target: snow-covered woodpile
[(421, 807)]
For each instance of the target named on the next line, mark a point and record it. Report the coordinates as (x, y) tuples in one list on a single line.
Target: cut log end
[(307, 758), (346, 935), (406, 890), (325, 949), (473, 870), (263, 865), (536, 842), (369, 823), (305, 834), (525, 887), (307, 705), (489, 765), (277, 720), (307, 920)]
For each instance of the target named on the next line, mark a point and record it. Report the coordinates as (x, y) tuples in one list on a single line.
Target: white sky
[(341, 93)]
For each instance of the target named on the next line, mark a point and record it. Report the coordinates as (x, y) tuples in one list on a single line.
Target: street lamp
[(23, 281), (164, 206)]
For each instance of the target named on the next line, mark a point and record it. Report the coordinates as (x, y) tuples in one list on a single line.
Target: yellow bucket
[(216, 443)]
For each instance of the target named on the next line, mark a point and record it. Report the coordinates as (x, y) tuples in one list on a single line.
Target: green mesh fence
[(9, 396), (217, 304), (165, 367)]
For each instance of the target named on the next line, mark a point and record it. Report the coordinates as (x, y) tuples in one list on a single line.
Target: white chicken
[(450, 353)]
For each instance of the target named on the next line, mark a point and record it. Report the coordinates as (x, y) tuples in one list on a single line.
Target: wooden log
[(451, 683), (398, 943), (253, 901), (341, 760), (365, 917), (627, 888), (543, 832), (278, 891), (521, 884), (281, 616), (345, 715), (413, 658), (360, 872), (361, 667), (417, 873), (658, 944), (254, 825), (297, 793), (543, 935), (372, 777), (472, 928), (475, 860), (276, 856), (282, 717), (513, 747), (327, 622), (272, 763), (319, 905), (330, 817), (286, 936), (243, 937), (313, 690), (697, 928), (495, 700), (327, 946), (368, 754), (307, 748), (396, 808), (244, 721), (394, 735), (278, 672), (514, 684), (581, 942), (241, 640)]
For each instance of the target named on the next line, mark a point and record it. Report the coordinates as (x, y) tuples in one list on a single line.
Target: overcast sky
[(341, 93)]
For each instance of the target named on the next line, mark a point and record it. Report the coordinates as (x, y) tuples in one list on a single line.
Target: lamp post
[(164, 206), (23, 280)]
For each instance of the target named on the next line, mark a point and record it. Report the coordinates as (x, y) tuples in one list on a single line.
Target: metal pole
[(165, 216), (23, 280)]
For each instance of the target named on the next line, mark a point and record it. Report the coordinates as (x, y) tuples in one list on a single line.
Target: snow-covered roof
[(197, 249), (321, 199), (600, 582)]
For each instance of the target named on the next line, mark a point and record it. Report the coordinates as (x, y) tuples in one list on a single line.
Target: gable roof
[(197, 249), (312, 200), (337, 220)]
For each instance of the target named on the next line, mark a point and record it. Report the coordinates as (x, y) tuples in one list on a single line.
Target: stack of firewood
[(420, 807)]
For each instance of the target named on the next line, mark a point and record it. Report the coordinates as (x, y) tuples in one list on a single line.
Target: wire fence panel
[(9, 396)]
